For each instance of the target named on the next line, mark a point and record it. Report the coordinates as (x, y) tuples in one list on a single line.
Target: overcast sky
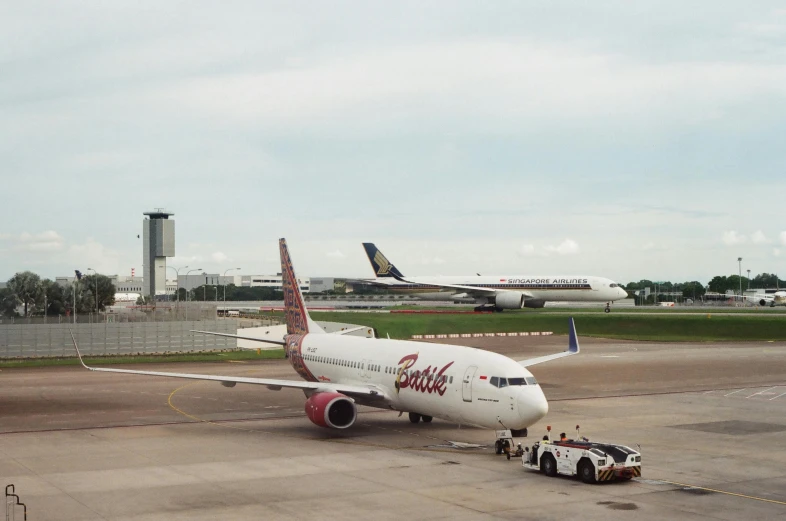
[(623, 139)]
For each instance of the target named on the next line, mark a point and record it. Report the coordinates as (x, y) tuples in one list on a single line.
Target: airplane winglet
[(78, 354), (573, 339), (573, 348)]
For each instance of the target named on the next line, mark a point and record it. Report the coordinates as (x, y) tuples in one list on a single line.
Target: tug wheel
[(587, 472), (548, 465)]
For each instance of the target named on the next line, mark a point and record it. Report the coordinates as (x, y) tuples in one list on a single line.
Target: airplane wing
[(230, 381), (472, 290), (241, 337), (573, 348)]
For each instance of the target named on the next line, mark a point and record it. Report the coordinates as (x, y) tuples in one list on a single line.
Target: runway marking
[(782, 394), (609, 356), (737, 391), (725, 492), (760, 392)]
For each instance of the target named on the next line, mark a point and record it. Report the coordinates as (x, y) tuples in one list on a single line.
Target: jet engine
[(333, 410), (534, 303), (762, 302), (509, 300)]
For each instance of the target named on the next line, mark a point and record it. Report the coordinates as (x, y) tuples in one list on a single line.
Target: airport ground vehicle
[(591, 461)]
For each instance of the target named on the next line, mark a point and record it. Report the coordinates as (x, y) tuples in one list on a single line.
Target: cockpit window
[(614, 285), (498, 381)]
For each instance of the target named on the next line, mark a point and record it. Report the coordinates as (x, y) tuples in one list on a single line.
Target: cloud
[(48, 241), (335, 254), (526, 250), (776, 252), (783, 238), (759, 238), (566, 247), (732, 238), (92, 254), (219, 257)]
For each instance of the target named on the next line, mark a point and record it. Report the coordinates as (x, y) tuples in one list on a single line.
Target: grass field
[(667, 327), (231, 356)]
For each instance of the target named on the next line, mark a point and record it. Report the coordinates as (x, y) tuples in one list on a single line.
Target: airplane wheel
[(498, 447), (427, 419), (607, 310), (414, 417)]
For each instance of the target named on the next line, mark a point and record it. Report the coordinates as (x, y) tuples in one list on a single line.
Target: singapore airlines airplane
[(495, 293), (455, 383)]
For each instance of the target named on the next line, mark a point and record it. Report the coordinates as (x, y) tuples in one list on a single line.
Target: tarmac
[(710, 420)]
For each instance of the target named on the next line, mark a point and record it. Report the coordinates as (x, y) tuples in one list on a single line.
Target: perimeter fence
[(102, 339)]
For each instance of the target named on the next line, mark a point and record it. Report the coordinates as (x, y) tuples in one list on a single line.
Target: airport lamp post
[(187, 273), (225, 286), (95, 279), (739, 261), (749, 279), (177, 281)]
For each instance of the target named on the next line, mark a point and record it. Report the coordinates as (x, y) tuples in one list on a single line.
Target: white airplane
[(456, 383), (496, 293), (777, 298)]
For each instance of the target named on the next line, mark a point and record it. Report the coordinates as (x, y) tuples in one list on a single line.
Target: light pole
[(749, 279), (189, 271), (739, 261), (95, 279), (225, 287), (177, 281)]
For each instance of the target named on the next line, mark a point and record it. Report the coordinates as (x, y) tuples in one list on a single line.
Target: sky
[(621, 139)]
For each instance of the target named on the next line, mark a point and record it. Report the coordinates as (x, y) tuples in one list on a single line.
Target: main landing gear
[(415, 418), (608, 308), (488, 309)]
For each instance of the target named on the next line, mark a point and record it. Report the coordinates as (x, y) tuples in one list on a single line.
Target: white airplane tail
[(298, 321)]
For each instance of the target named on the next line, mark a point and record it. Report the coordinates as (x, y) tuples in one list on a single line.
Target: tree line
[(26, 294), (718, 284)]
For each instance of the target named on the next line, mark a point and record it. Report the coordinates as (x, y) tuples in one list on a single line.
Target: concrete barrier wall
[(54, 340)]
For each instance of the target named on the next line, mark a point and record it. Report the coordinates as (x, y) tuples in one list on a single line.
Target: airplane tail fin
[(381, 265), (298, 321)]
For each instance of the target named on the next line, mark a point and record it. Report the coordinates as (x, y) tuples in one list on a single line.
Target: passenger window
[(451, 379)]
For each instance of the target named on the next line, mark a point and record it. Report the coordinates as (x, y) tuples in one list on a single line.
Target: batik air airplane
[(495, 293), (455, 383)]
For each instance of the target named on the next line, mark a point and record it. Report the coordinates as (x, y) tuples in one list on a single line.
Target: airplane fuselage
[(574, 288), (454, 383)]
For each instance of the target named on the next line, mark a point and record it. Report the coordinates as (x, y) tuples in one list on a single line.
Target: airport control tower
[(158, 236)]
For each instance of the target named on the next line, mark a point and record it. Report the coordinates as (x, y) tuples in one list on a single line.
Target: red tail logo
[(295, 311)]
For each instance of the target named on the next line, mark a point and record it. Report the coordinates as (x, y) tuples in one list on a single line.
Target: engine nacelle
[(333, 410), (762, 302), (509, 300), (535, 303)]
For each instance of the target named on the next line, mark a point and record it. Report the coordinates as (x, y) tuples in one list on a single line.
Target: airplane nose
[(533, 406)]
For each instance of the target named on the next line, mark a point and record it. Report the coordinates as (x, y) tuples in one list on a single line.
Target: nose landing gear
[(608, 308)]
